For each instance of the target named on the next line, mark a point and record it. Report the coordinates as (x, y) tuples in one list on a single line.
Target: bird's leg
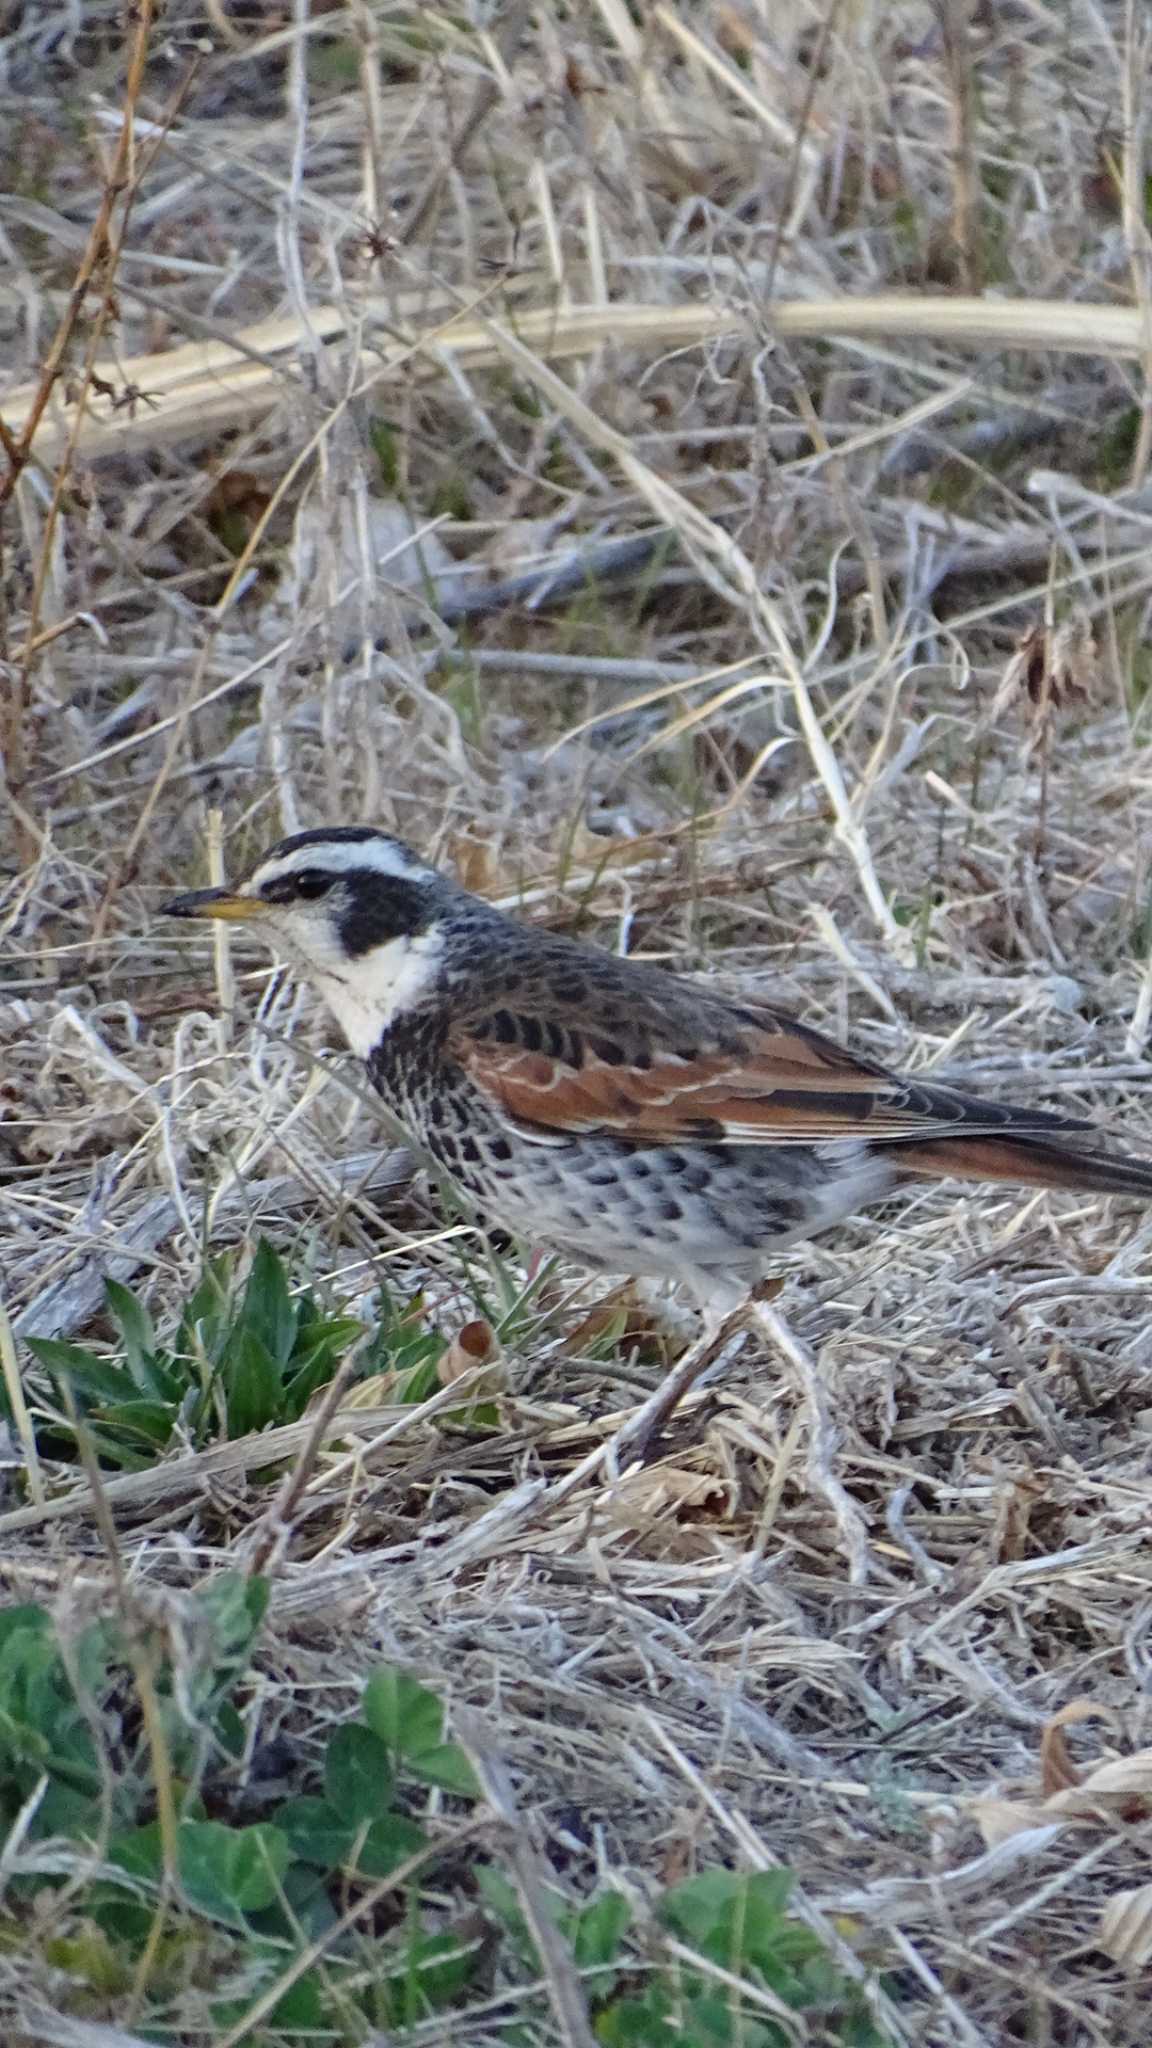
[(637, 1434), (630, 1442), (822, 1437)]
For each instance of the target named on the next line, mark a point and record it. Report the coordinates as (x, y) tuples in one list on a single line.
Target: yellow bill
[(215, 903)]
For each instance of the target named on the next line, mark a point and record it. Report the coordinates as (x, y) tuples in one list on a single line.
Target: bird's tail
[(1029, 1162)]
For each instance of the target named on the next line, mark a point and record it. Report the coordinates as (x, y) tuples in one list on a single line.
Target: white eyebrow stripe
[(342, 857)]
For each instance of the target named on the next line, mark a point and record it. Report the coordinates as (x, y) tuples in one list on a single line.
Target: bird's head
[(355, 910)]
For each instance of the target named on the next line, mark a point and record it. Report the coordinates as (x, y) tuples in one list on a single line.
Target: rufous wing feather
[(782, 1084)]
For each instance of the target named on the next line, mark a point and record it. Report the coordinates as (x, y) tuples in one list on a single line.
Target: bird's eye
[(310, 884)]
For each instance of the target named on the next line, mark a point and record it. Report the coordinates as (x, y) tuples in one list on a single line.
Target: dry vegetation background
[(732, 423)]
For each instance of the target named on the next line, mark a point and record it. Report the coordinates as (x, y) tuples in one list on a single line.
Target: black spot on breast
[(469, 1151), (504, 1028), (692, 1174), (500, 1150), (670, 1212), (531, 1034)]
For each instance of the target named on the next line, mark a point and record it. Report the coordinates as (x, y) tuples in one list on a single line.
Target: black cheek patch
[(378, 908)]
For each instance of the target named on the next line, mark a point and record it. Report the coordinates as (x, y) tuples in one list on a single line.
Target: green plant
[(181, 1871), (236, 1362), (66, 1710), (761, 1959), (124, 1748)]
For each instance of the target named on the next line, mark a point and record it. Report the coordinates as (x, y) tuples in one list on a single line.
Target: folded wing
[(772, 1082)]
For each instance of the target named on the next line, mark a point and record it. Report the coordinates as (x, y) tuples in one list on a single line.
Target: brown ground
[(835, 1626)]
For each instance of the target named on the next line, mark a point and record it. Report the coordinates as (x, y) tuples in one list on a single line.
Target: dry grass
[(908, 1526)]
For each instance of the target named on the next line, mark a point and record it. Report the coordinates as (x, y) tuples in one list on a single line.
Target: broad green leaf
[(599, 1929), (251, 1379), (388, 1843), (230, 1871), (315, 1832), (435, 1969), (139, 1851), (83, 1371), (235, 1606), (67, 1810), (136, 1333), (358, 1774), (446, 1766), (267, 1311), (712, 1912), (403, 1713), (24, 1619), (148, 1424)]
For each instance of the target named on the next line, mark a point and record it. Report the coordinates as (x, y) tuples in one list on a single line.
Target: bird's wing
[(747, 1076)]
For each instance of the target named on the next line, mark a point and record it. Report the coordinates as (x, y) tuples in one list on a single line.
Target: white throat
[(366, 996)]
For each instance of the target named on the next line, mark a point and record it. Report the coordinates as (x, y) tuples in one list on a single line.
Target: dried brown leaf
[(1126, 1928), (999, 1819), (1053, 669), (1122, 1786), (657, 1491), (1057, 1770), (622, 1310), (475, 1344)]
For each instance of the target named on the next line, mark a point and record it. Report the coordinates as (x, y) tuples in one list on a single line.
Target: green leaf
[(726, 1914), (83, 1371), (138, 1851), (414, 1383), (136, 1333), (147, 1424), (26, 1619), (313, 1368), (229, 1732), (446, 1766), (703, 2020), (500, 1898), (358, 1774), (231, 1871), (315, 1832), (235, 1606), (403, 1713), (267, 1311), (204, 1323), (388, 1843), (599, 1929), (436, 1968), (251, 1380)]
